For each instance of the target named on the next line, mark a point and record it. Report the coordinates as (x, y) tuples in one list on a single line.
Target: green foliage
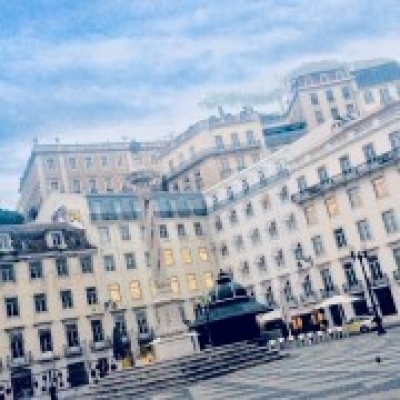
[(8, 217)]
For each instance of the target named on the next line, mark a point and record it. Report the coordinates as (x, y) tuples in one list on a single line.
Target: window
[(72, 162), (250, 138), (249, 210), (384, 96), (390, 221), (291, 222), (108, 184), (266, 202), (56, 239), (191, 282), (350, 273), (369, 152), (174, 282), (97, 330), (279, 258), (92, 186), (218, 224), (235, 140), (61, 266), (72, 335), (104, 234), (124, 232), (186, 256), (245, 269), (134, 288), (91, 296), (238, 241), (66, 299), (12, 306), (168, 257), (224, 250), (233, 218), (245, 186), (7, 273), (327, 279), (76, 186), (301, 183), (88, 162), (319, 117), (310, 214), (130, 261), (335, 113), (368, 96), (224, 165), (323, 174), (40, 302), (350, 109), (181, 230), (380, 187), (35, 270), (54, 186), (332, 206), (340, 238), (318, 245), (104, 161), (346, 93), (109, 263), (273, 230), (261, 263), (345, 164), (114, 293), (375, 267), (17, 344), (364, 230), (203, 254), (240, 163), (255, 236), (45, 340), (50, 163), (5, 242), (314, 99), (86, 264), (329, 95), (198, 229), (208, 279), (354, 197), (396, 256), (147, 259), (143, 325), (219, 142), (163, 231), (394, 138)]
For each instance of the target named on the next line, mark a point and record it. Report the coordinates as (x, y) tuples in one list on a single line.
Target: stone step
[(153, 387), (181, 377)]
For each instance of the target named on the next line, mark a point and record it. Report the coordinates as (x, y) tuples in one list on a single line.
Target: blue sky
[(103, 69)]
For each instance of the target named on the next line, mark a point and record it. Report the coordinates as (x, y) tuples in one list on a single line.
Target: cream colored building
[(285, 227), (212, 150)]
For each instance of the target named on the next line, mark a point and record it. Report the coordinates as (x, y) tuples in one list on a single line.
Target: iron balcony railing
[(24, 360), (353, 287), (380, 281), (100, 345), (73, 351), (328, 292), (351, 174)]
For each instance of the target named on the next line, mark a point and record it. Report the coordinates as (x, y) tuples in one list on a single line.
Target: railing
[(100, 345), (181, 214), (354, 173), (380, 281), (111, 216), (354, 287), (328, 292), (73, 351), (292, 302), (309, 298), (262, 183), (24, 360), (396, 275)]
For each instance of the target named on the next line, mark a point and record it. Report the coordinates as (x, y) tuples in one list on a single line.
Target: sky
[(86, 71)]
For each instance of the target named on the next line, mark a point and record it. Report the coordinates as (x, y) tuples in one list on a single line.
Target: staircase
[(139, 382)]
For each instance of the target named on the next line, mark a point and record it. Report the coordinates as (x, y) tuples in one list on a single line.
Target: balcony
[(328, 292), (355, 173), (292, 302), (146, 336), (379, 281), (100, 345), (353, 287), (22, 361), (73, 351), (47, 356), (309, 298), (113, 216), (396, 275)]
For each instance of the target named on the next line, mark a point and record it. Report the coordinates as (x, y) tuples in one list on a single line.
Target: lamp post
[(360, 256)]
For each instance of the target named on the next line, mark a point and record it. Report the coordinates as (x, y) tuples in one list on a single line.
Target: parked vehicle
[(360, 324)]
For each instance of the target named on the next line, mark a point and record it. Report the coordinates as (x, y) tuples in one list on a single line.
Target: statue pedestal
[(173, 338)]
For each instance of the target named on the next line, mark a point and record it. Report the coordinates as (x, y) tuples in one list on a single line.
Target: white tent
[(337, 300)]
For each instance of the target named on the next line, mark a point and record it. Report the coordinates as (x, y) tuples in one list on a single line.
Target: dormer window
[(56, 239), (5, 242)]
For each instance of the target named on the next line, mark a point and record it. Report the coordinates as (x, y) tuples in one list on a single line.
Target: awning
[(336, 300), (269, 316)]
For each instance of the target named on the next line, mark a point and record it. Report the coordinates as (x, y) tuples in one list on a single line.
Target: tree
[(8, 217)]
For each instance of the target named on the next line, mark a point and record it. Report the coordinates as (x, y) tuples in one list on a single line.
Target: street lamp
[(360, 256)]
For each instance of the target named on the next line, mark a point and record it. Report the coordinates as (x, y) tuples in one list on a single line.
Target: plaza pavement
[(343, 369)]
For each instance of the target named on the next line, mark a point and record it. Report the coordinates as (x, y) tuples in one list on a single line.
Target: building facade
[(285, 227)]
